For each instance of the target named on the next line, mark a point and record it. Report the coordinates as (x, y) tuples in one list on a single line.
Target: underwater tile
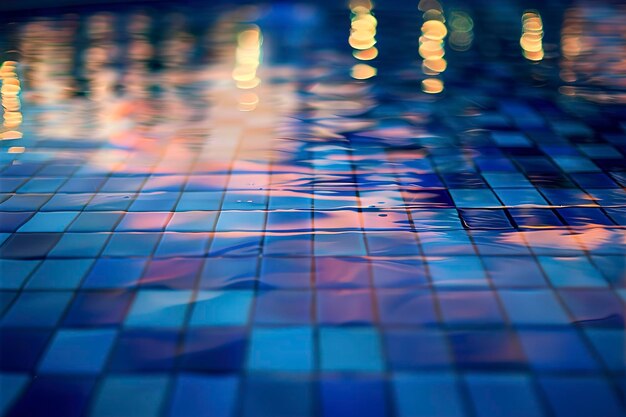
[(77, 352)]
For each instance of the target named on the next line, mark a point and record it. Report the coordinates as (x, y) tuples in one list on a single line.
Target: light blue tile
[(350, 349), (131, 396), (209, 200), (571, 272), (221, 308), (59, 274), (13, 273), (427, 395), (158, 308), (520, 197), (79, 245), (78, 352), (511, 395), (204, 396), (474, 198), (37, 309), (283, 349), (240, 221), (49, 222), (533, 307), (457, 271), (11, 386)]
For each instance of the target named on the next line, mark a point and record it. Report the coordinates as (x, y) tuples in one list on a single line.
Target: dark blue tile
[(145, 350), (102, 308), (574, 396), (352, 397), (21, 348), (54, 396), (277, 396), (487, 350), (214, 349), (417, 349)]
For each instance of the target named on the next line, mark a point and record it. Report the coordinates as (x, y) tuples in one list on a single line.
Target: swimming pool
[(314, 209)]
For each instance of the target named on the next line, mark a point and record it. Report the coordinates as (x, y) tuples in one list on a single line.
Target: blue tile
[(521, 197), (460, 271), (610, 344), (350, 349), (331, 272), (236, 244), (156, 201), (13, 273), (220, 273), (340, 244), (21, 348), (158, 308), (574, 396), (88, 221), (504, 395), (571, 272), (419, 395), (344, 307), (594, 307), (451, 242), (485, 219), (130, 396), (399, 273), (277, 396), (487, 350), (411, 349), (515, 272), (59, 274), (77, 352), (214, 349), (204, 396), (406, 307), (464, 308), (283, 307), (49, 222), (443, 218), (533, 307), (221, 308), (190, 201), (131, 244), (55, 396), (474, 198), (285, 272), (172, 273), (351, 397), (79, 245), (145, 350), (110, 273), (11, 386), (98, 308), (67, 202), (37, 309), (556, 350), (281, 350), (182, 244)]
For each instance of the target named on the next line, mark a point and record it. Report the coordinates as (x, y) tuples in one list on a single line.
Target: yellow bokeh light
[(435, 64), (363, 71), (434, 30), (366, 55), (432, 85), (531, 39)]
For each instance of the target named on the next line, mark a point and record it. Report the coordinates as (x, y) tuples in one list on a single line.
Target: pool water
[(251, 211)]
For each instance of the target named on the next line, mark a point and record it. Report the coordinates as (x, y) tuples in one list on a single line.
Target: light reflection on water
[(447, 172)]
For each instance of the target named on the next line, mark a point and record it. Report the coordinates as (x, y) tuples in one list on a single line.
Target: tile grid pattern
[(359, 273)]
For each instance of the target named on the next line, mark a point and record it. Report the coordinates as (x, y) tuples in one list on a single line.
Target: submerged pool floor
[(223, 212)]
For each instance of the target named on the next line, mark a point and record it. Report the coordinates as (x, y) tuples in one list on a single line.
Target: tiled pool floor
[(179, 241)]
